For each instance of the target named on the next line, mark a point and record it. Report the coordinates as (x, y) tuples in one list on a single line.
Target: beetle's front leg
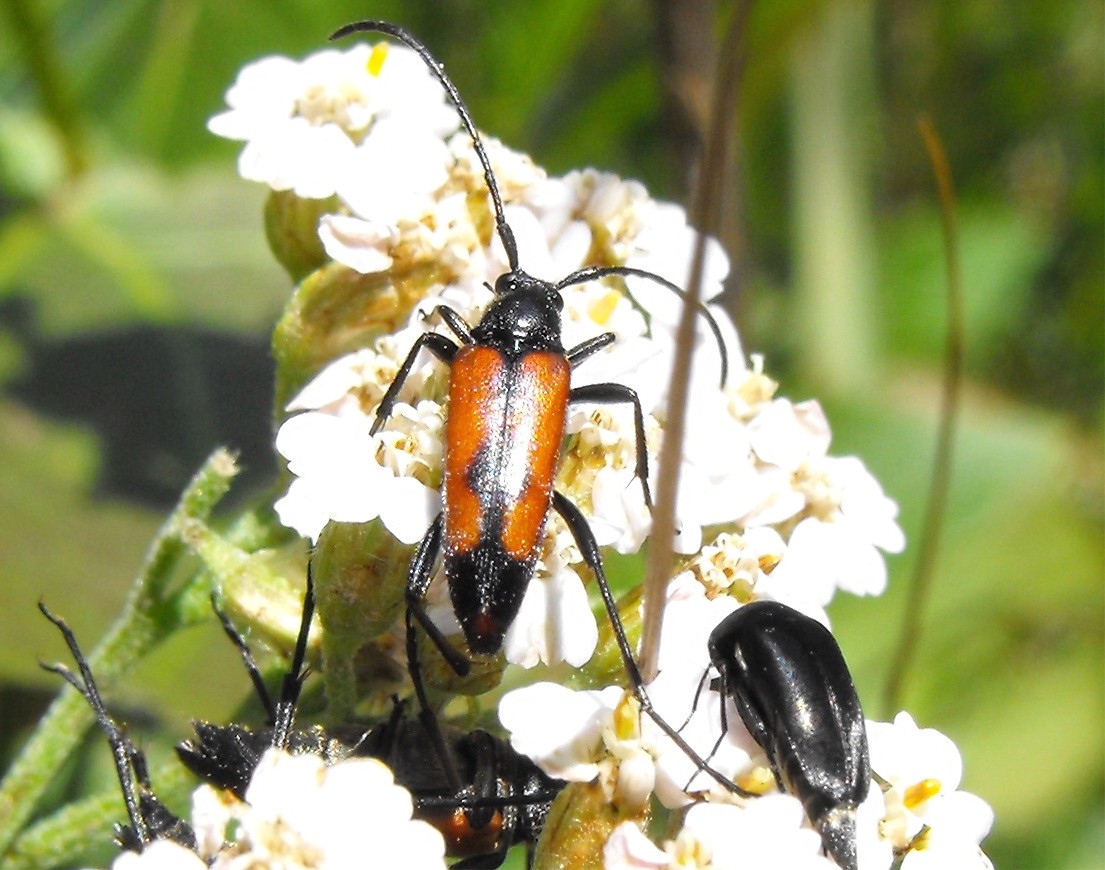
[(439, 345)]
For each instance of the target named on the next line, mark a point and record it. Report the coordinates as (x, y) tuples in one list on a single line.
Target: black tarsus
[(247, 659), (292, 684)]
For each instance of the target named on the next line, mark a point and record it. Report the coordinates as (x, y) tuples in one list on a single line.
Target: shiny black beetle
[(792, 688)]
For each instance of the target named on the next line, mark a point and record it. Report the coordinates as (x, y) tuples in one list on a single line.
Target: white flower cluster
[(300, 814), (785, 520)]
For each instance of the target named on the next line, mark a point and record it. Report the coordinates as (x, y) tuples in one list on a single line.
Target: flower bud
[(291, 227)]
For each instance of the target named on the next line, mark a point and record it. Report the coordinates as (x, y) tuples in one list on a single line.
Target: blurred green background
[(136, 297)]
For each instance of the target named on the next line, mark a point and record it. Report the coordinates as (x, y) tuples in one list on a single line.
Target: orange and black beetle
[(509, 391)]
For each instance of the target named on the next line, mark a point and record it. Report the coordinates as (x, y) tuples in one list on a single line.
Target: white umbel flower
[(927, 817), (300, 813), (768, 832), (305, 123)]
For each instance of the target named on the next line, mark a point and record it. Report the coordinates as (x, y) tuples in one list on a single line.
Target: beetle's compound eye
[(507, 283)]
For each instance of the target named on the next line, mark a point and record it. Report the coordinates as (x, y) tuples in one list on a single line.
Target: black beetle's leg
[(122, 749), (697, 698), (247, 659), (487, 774), (425, 714), (724, 719), (439, 345), (610, 394), (418, 582), (489, 861), (589, 548), (586, 348), (456, 323), (292, 684)]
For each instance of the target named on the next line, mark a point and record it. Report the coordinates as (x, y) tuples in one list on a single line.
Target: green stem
[(65, 836), (920, 590), (145, 622)]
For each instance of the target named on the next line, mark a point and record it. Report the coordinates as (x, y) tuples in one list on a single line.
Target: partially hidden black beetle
[(795, 695), (472, 786)]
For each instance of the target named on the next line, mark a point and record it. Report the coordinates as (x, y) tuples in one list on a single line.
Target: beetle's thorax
[(525, 316)]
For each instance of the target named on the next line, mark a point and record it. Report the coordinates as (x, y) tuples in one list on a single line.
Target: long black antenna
[(505, 233), (438, 70), (122, 749), (292, 683)]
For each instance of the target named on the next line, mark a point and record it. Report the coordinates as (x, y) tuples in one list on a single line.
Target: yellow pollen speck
[(625, 718), (601, 309), (759, 780), (920, 792), (768, 562), (376, 58)]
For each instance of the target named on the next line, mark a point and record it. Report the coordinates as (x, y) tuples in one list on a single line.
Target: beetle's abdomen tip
[(484, 634), (837, 828)]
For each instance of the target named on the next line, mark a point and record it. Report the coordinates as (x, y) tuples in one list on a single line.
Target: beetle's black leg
[(697, 698), (149, 818), (425, 714), (590, 273), (247, 658), (589, 548), (121, 747), (586, 348), (456, 323), (490, 861), (439, 345), (418, 582), (292, 684), (609, 394)]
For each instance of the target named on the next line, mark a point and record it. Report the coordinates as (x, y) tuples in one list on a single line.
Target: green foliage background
[(136, 298)]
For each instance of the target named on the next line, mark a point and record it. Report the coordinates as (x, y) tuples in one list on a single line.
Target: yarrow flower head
[(764, 833), (913, 812), (927, 818), (339, 120)]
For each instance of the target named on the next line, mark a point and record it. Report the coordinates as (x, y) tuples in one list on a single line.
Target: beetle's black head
[(525, 315)]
